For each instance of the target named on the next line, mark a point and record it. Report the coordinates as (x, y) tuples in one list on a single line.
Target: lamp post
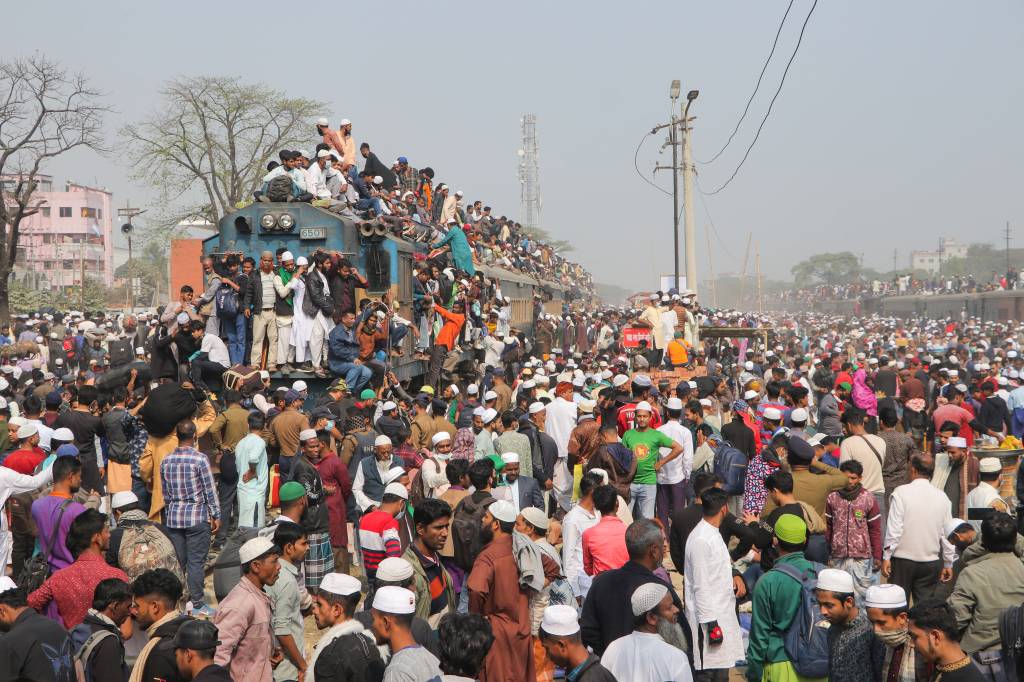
[(688, 219)]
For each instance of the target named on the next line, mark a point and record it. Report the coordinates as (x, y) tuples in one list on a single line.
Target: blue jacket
[(342, 345)]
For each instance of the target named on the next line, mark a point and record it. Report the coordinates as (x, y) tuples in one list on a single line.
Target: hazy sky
[(899, 122)]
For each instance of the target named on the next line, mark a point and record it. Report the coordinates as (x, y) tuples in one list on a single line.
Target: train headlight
[(285, 221), (268, 221)]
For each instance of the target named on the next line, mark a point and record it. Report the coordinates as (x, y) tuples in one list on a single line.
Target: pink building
[(71, 232)]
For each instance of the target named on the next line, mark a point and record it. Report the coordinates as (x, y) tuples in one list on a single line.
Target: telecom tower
[(529, 174)]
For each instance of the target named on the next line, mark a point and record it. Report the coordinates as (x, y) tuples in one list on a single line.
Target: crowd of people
[(906, 285)]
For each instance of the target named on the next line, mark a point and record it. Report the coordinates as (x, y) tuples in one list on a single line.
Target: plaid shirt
[(189, 495)]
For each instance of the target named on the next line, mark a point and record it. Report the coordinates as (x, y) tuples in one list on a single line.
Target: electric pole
[(711, 271), (689, 224), (1007, 251), (127, 229), (757, 266)]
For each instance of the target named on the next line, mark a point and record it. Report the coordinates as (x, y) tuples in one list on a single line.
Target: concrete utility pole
[(1007, 250), (689, 224), (127, 228)]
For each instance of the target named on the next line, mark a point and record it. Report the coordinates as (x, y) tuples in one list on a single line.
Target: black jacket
[(687, 518), (161, 355), (607, 612), (530, 494), (741, 437), (36, 649), (253, 293), (160, 664), (544, 452), (350, 658), (995, 414), (593, 671), (318, 296), (107, 660), (213, 673)]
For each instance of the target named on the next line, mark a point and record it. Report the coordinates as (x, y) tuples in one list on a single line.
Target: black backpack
[(466, 530), (226, 302), (122, 352), (279, 189)]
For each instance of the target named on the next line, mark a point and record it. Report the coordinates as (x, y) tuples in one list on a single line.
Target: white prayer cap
[(586, 406), (706, 402), (440, 437), (1003, 381), (302, 260), (619, 380), (254, 548), (393, 568), (182, 318), (797, 415), (489, 415), (388, 406), (674, 404), (835, 580), (62, 434), (140, 351), (264, 374), (772, 413), (956, 442), (287, 256), (27, 431), (489, 396), (989, 465), (503, 510), (472, 389), (1011, 354), (560, 620), (397, 600), (7, 584), (748, 365), (602, 473), (961, 388), (643, 406), (510, 457), (646, 597), (750, 395), (454, 389), (344, 122), (307, 434), (322, 122), (536, 407), (535, 517), (123, 499), (381, 440), (887, 596), (872, 361), (397, 489), (479, 411), (341, 584), (951, 526), (529, 383)]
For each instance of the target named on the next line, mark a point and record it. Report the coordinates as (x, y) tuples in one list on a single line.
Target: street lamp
[(674, 89)]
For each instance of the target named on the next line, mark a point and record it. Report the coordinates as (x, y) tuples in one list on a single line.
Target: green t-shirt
[(645, 446)]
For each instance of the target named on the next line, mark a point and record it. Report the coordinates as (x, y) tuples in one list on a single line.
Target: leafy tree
[(827, 268), (44, 112), (206, 146)]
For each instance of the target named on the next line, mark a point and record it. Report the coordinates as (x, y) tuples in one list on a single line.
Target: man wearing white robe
[(710, 601), (13, 483), (560, 422), (642, 655)]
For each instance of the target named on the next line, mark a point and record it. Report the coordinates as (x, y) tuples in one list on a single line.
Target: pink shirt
[(604, 545)]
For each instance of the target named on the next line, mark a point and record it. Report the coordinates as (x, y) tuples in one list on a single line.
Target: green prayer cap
[(791, 529), (845, 385), (291, 491), (367, 394)]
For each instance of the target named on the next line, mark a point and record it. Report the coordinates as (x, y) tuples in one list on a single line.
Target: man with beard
[(505, 573), (854, 654), (346, 651), (886, 607), (644, 655), (316, 518)]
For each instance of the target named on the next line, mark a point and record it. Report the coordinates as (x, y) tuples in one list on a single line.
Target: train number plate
[(313, 233)]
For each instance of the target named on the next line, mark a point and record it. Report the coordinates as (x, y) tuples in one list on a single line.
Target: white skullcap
[(341, 584), (674, 404), (472, 389), (643, 406), (478, 411), (302, 260), (182, 318), (600, 472), (344, 122), (299, 386), (750, 395), (264, 374), (388, 406), (140, 351), (646, 597), (888, 596), (560, 620), (503, 511), (397, 489), (510, 457), (254, 548), (619, 380), (536, 407), (957, 442), (489, 396), (287, 256), (440, 437), (748, 365), (535, 517), (529, 383), (397, 600), (393, 569), (797, 415), (950, 526), (27, 430), (705, 402), (123, 499), (586, 406), (489, 415), (454, 389), (307, 434), (961, 388), (381, 440), (835, 580), (61, 434), (772, 413), (989, 465)]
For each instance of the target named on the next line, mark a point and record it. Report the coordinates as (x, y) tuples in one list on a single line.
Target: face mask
[(893, 638), (330, 425), (443, 456), (400, 514)]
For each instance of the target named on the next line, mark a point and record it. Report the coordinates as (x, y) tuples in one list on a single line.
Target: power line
[(637, 166), (714, 229), (760, 77), (772, 103)]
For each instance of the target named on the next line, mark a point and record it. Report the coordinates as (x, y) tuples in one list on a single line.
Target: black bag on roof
[(167, 405)]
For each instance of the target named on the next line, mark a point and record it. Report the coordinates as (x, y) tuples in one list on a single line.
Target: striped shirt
[(189, 494), (378, 539)]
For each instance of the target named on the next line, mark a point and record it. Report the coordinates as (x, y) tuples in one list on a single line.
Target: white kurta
[(302, 324), (13, 483), (646, 657), (982, 497), (561, 420), (709, 596)]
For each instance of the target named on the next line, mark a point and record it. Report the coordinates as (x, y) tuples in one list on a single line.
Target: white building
[(929, 261)]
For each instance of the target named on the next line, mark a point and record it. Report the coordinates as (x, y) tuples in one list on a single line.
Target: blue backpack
[(806, 638), (226, 302)]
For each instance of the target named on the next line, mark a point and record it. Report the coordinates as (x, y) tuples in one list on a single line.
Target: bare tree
[(206, 147), (44, 112)]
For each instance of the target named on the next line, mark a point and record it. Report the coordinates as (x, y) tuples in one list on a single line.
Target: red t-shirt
[(25, 461), (626, 418)]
